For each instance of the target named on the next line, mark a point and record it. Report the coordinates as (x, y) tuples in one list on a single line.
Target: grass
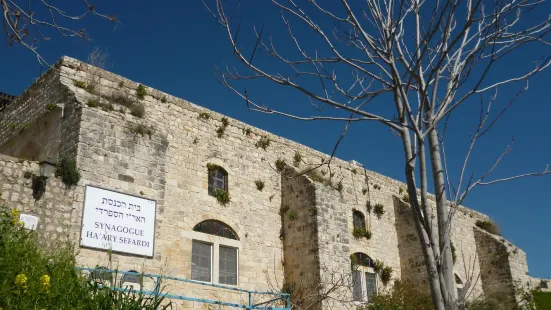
[(222, 196), (204, 115), (280, 165), (359, 233), (489, 226), (297, 159)]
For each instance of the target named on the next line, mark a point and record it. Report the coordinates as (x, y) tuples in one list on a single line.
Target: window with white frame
[(364, 278), (204, 255)]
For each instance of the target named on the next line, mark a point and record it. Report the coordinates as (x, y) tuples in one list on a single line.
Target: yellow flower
[(15, 216), (45, 281), (21, 281)]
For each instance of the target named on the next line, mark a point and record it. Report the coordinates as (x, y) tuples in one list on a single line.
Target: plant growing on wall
[(204, 115), (379, 210), (67, 169), (359, 232), (222, 196), (378, 266), (489, 226), (51, 106), (364, 190), (405, 198), (263, 143), (259, 185), (297, 159), (79, 84), (292, 215), (141, 92), (247, 131), (376, 186), (280, 165), (386, 275), (220, 130)]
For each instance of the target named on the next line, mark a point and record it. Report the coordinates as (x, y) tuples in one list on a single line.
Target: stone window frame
[(215, 242)]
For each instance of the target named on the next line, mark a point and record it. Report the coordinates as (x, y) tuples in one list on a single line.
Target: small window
[(218, 180), (201, 261), (217, 228), (228, 266), (358, 219)]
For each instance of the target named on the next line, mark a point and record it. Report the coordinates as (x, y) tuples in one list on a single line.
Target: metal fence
[(105, 278)]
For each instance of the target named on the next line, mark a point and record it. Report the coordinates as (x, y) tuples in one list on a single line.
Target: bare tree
[(28, 22), (427, 58)]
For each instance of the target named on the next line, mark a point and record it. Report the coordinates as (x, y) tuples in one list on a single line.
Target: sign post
[(118, 222)]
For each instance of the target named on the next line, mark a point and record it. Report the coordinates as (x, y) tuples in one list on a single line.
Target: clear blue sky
[(173, 45)]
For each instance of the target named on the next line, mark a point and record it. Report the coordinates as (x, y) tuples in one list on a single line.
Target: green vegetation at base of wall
[(36, 278), (543, 299)]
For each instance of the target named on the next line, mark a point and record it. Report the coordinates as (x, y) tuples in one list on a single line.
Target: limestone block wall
[(53, 209), (299, 218)]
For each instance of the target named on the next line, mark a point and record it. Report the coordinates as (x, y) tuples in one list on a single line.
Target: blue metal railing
[(283, 297)]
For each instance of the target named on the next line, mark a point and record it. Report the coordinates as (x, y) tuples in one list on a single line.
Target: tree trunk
[(424, 237), (444, 222)]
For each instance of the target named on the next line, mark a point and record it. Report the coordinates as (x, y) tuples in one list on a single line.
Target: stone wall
[(164, 155), (299, 218), (53, 209)]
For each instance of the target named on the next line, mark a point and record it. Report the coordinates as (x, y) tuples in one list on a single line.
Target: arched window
[(364, 278), (203, 254), (358, 219), (217, 228), (218, 179)]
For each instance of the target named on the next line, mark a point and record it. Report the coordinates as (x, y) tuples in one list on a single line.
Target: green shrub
[(141, 92), (222, 196), (263, 143), (292, 215), (67, 169), (220, 130), (204, 115), (404, 296), (79, 84), (359, 232), (259, 184), (379, 210), (297, 159), (93, 103), (489, 226), (45, 278), (280, 164), (386, 275), (378, 266), (247, 131), (405, 198), (50, 107)]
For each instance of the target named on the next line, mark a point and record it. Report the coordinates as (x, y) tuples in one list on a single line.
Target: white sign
[(29, 221), (118, 222)]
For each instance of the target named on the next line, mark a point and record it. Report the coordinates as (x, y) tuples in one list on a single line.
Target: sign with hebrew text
[(118, 222)]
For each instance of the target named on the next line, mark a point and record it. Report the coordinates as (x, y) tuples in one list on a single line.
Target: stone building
[(273, 232)]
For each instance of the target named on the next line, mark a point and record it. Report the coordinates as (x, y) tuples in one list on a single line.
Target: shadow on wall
[(36, 141), (411, 255)]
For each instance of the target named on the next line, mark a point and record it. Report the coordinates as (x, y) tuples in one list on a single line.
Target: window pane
[(201, 261), (370, 284), (357, 285), (228, 266)]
